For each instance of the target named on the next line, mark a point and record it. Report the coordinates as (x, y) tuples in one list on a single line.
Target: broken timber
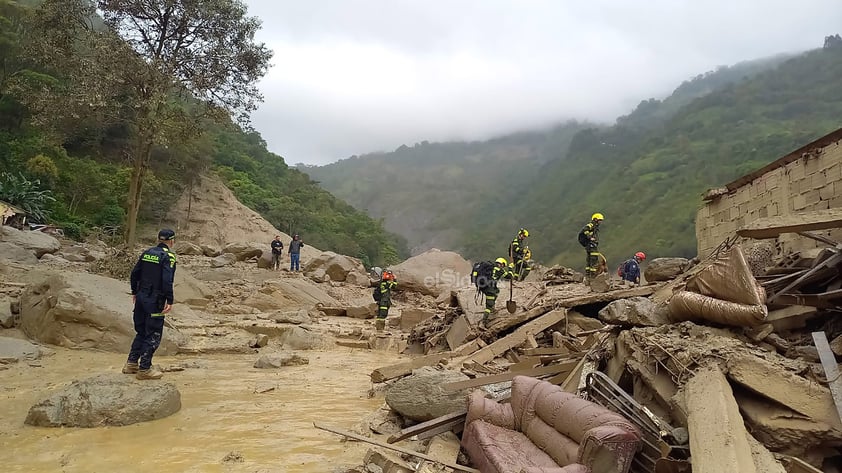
[(831, 370), (428, 425), (406, 451), (771, 227), (517, 337), (499, 378), (401, 369)]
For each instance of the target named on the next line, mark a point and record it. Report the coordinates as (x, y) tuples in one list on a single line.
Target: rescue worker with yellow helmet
[(485, 275), (589, 238), (521, 255)]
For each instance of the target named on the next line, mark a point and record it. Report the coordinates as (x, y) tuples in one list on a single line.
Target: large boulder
[(433, 272), (335, 266), (265, 261), (182, 247), (297, 317), (13, 350), (419, 397), (211, 251), (296, 292), (38, 242), (106, 399), (81, 310), (189, 290), (76, 254), (638, 311), (225, 259), (16, 254), (664, 269), (302, 339), (243, 250)]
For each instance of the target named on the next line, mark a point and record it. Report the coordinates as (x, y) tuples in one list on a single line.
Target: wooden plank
[(458, 332), (545, 351), (819, 238), (499, 378), (406, 451), (832, 261), (831, 369), (518, 336), (400, 369), (771, 227), (428, 425), (455, 426), (504, 322)]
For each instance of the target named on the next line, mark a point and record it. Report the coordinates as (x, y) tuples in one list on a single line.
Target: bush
[(26, 194)]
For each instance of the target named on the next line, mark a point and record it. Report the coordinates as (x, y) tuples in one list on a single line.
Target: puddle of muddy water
[(221, 413)]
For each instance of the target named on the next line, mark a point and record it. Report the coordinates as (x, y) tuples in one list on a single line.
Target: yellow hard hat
[(502, 261), (597, 216), (524, 232)]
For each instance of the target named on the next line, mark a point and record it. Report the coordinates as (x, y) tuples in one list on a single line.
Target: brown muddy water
[(221, 412)]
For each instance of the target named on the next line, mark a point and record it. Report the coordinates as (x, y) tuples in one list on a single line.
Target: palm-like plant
[(26, 194)]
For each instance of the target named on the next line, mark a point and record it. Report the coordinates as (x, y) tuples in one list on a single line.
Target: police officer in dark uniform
[(152, 293)]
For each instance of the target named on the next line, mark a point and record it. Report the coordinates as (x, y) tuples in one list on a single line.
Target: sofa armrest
[(609, 448), (490, 411)]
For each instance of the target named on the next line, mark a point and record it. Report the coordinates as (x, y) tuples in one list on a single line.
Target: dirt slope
[(218, 218)]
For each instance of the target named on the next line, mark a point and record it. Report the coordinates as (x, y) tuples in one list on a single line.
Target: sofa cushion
[(493, 449)]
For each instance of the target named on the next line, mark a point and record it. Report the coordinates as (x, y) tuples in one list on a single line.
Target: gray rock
[(265, 260), (419, 397), (7, 318), (189, 290), (38, 242), (106, 399), (210, 250), (664, 269), (80, 310), (16, 254), (433, 272), (356, 278), (243, 251), (297, 317), (638, 311), (49, 257), (301, 339), (182, 247), (13, 350), (335, 266), (76, 254), (367, 311), (259, 341), (277, 360), (225, 259)]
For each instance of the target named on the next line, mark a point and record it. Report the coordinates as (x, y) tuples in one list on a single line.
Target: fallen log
[(406, 451)]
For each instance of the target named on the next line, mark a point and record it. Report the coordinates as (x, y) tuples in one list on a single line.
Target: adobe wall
[(812, 182)]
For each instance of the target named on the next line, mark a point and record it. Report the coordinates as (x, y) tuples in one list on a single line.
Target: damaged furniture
[(544, 430)]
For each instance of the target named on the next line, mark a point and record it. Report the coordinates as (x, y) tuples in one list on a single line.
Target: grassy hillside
[(79, 176), (648, 182)]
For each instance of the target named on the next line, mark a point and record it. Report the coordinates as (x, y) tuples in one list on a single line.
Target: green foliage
[(43, 167), (26, 194)]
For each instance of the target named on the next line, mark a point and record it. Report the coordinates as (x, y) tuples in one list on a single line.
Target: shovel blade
[(511, 306)]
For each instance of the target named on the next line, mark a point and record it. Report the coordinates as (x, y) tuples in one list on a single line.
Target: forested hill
[(472, 197), (75, 174)]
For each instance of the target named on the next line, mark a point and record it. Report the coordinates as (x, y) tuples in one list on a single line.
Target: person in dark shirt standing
[(152, 293), (277, 252), (295, 253)]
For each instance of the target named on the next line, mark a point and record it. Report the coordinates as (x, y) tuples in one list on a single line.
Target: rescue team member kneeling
[(152, 294)]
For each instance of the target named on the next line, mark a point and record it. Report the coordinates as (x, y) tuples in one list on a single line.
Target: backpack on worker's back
[(482, 274)]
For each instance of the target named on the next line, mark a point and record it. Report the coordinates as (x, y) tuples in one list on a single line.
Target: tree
[(159, 67)]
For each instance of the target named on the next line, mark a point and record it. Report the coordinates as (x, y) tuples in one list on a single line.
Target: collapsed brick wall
[(812, 182)]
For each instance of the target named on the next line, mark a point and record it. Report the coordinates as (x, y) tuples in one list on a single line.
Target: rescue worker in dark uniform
[(152, 294), (520, 254), (589, 238), (384, 289), (501, 271)]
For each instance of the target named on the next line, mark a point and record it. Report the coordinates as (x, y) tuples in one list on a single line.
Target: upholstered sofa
[(546, 430)]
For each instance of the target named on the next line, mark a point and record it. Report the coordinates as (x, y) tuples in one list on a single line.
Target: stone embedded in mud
[(17, 254), (362, 312), (7, 318), (277, 360), (298, 317), (38, 242), (634, 311), (225, 259), (419, 396), (13, 350), (106, 399), (301, 339), (259, 341), (244, 250), (183, 247), (335, 266)]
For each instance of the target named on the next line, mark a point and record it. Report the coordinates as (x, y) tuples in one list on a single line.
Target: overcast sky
[(356, 76)]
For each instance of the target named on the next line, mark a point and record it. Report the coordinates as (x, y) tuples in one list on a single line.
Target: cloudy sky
[(355, 76)]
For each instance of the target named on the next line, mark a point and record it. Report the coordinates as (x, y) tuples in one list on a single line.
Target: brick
[(826, 193), (818, 180), (774, 209), (798, 202), (812, 165), (796, 170), (763, 212), (812, 197), (833, 172)]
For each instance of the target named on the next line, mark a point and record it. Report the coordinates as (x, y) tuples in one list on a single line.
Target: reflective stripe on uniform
[(149, 258)]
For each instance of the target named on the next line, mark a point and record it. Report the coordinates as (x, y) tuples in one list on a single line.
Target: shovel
[(511, 305)]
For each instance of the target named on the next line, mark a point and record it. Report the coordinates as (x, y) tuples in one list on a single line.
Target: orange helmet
[(640, 255), (388, 275)]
